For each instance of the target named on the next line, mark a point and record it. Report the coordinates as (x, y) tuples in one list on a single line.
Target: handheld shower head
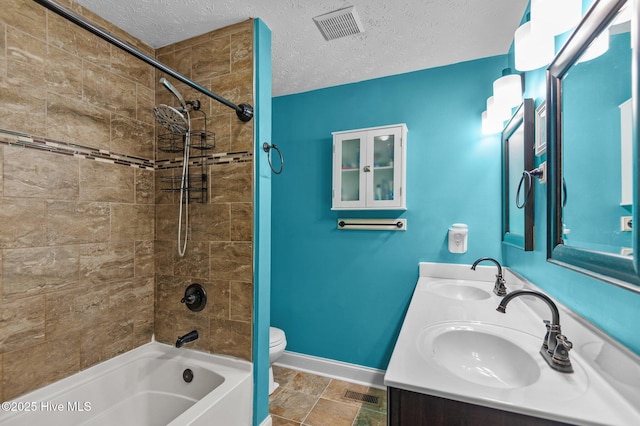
[(171, 119), (173, 90)]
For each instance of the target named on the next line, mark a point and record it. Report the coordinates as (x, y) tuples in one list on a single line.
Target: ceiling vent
[(339, 23)]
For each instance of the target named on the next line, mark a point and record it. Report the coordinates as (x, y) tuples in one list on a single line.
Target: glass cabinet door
[(384, 181), (350, 179)]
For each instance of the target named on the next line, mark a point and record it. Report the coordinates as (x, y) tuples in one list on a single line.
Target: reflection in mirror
[(517, 191), (591, 114), (593, 92)]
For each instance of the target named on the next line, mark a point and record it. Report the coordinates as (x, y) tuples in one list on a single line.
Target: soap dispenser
[(458, 238)]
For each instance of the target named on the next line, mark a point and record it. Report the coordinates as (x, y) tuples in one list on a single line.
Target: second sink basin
[(461, 289), (482, 353)]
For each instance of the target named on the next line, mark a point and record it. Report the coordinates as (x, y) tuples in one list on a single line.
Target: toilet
[(277, 343)]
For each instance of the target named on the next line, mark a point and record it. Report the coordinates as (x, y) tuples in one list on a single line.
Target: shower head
[(173, 90), (171, 119)]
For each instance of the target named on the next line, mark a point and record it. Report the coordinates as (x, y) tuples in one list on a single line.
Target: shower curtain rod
[(243, 111)]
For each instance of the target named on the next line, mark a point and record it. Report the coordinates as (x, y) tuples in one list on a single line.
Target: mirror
[(592, 127), (517, 190)]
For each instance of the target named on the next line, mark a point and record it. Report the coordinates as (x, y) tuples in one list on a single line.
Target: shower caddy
[(201, 140)]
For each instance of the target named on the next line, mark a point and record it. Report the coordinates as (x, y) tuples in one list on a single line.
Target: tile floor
[(304, 399)]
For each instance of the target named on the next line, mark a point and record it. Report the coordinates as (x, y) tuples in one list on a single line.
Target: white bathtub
[(143, 387)]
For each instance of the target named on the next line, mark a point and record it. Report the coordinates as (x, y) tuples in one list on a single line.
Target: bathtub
[(143, 387)]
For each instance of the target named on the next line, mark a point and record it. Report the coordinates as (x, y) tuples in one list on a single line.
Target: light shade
[(533, 49), (489, 126), (497, 112), (555, 16), (507, 90), (598, 47)]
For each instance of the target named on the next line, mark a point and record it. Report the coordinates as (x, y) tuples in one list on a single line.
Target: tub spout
[(189, 337)]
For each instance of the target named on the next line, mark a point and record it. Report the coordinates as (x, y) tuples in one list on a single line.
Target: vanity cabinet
[(369, 168), (412, 408)]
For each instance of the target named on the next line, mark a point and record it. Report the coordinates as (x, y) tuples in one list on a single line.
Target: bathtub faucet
[(189, 337)]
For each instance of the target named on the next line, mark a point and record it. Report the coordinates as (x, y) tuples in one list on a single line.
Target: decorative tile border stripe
[(212, 159), (10, 138), (43, 144)]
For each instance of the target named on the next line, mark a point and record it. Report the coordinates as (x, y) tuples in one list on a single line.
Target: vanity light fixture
[(532, 49), (507, 90), (555, 17), (498, 112), (490, 126), (494, 117)]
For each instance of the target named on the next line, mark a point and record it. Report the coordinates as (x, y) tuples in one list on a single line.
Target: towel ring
[(267, 148), (535, 173), (528, 187)]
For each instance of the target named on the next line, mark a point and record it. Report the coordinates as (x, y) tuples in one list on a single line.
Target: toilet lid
[(276, 336)]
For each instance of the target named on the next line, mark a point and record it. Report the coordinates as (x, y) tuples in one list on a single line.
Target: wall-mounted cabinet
[(369, 168)]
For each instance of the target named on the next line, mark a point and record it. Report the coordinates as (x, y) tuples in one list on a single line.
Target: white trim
[(267, 421), (334, 369)]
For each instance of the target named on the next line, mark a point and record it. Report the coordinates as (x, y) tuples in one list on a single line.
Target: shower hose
[(184, 192)]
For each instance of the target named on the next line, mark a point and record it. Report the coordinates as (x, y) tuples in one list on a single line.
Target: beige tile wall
[(219, 253), (88, 251), (76, 235)]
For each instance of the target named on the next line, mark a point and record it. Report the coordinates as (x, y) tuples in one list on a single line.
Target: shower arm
[(243, 111)]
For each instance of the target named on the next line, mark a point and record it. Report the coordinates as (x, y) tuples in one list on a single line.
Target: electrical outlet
[(626, 223)]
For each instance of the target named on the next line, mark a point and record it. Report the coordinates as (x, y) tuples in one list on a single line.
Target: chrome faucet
[(555, 347), (499, 288), (189, 337)]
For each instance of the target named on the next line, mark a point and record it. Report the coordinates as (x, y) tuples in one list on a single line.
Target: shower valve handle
[(190, 299), (195, 298)]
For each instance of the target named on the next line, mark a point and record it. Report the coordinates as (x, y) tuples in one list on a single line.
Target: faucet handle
[(195, 297), (501, 283), (545, 346), (561, 354), (562, 340)]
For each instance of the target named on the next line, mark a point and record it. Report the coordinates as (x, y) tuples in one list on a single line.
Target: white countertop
[(604, 390)]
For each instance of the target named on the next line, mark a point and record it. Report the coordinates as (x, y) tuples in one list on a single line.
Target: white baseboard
[(333, 369), (267, 421)]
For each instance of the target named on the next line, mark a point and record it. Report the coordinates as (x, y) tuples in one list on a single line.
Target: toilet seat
[(276, 337)]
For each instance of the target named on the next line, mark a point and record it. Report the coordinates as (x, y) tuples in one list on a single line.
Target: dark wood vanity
[(408, 408)]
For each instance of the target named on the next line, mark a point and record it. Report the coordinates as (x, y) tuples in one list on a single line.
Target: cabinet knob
[(367, 169)]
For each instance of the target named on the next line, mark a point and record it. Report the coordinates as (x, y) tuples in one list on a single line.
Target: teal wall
[(613, 309), (342, 295), (262, 222)]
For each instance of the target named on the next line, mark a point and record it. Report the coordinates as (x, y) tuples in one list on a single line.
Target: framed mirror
[(517, 191), (592, 146)]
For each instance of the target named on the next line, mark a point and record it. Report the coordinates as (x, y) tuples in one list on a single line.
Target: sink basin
[(484, 354), (461, 289)]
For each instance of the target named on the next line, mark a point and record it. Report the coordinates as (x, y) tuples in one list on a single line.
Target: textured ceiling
[(399, 36)]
